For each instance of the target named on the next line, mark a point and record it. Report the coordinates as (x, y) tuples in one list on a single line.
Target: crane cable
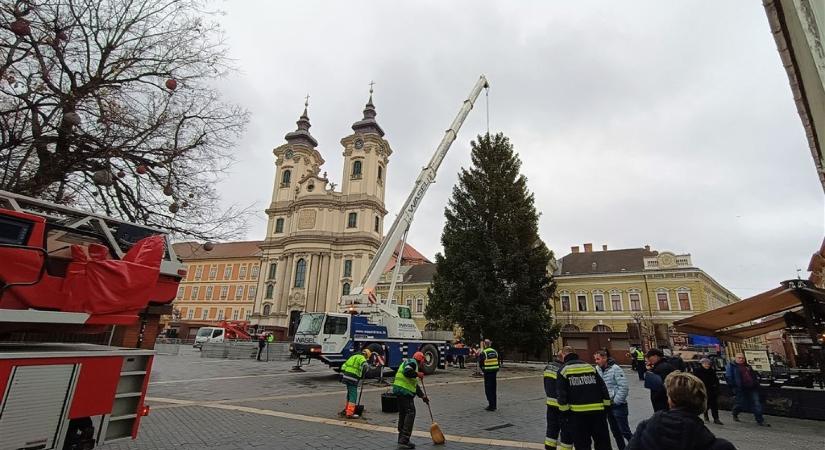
[(487, 101)]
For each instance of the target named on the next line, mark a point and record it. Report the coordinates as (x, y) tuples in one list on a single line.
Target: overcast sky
[(637, 123)]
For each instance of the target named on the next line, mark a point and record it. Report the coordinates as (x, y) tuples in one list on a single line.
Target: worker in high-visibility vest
[(583, 399), (406, 388), (551, 435), (352, 372), (488, 363), (639, 356)]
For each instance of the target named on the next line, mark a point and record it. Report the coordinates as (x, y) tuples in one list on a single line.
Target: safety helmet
[(418, 356), (367, 353)]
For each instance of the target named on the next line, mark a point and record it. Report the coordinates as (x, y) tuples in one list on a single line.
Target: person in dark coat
[(679, 428), (744, 382), (707, 374), (657, 370)]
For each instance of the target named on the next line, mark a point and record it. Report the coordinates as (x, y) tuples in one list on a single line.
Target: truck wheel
[(80, 434), (430, 359)]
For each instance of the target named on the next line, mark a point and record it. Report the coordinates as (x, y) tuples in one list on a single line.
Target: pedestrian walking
[(406, 388), (352, 371), (639, 357), (459, 344), (583, 399), (261, 345), (618, 388), (488, 363), (745, 384), (551, 435), (679, 428), (707, 374), (657, 370)]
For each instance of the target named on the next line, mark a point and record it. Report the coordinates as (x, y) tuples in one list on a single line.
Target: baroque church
[(320, 241)]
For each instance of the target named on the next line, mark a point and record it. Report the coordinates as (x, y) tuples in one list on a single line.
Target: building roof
[(607, 261), (420, 273), (193, 251), (409, 257)]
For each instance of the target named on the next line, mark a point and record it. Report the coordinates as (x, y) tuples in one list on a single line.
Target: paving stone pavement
[(202, 403)]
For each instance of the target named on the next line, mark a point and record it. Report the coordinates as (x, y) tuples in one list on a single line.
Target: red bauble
[(171, 84), (21, 27), (141, 169), (121, 174)]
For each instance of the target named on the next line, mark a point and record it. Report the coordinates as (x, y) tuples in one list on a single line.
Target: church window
[(269, 289), (348, 268), (273, 269), (267, 309), (286, 178), (356, 169), (352, 220), (377, 223), (380, 173), (345, 289), (279, 225), (300, 273)]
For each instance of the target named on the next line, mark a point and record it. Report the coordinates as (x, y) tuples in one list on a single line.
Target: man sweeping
[(406, 388), (352, 371)]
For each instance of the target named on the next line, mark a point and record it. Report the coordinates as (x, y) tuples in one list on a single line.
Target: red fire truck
[(68, 276)]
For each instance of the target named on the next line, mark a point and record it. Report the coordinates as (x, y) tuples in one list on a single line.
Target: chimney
[(647, 248), (604, 247), (588, 248), (574, 249)]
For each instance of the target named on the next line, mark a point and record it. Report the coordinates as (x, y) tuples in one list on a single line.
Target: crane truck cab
[(208, 335)]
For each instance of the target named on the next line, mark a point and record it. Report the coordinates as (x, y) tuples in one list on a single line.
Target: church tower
[(366, 155)]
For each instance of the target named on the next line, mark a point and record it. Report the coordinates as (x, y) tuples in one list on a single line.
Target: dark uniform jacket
[(708, 376), (580, 389), (551, 372), (676, 429), (658, 395)]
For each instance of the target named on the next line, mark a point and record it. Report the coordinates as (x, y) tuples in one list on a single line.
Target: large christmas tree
[(492, 278)]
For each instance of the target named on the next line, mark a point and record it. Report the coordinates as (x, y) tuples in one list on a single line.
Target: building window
[(380, 173), (190, 314), (198, 272), (352, 220), (684, 301), (227, 272), (565, 303), (286, 178), (255, 270), (180, 292), (570, 328), (347, 268), (300, 273), (224, 292), (248, 316), (635, 302), (598, 302), (250, 293), (662, 299), (582, 301), (195, 292), (377, 223), (419, 306), (356, 169), (345, 289), (213, 272), (269, 290), (267, 309), (208, 293), (616, 301), (273, 268), (602, 329), (279, 225), (235, 315), (220, 315), (408, 302), (242, 272), (205, 315), (238, 292)]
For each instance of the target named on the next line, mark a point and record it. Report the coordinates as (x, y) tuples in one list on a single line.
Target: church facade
[(319, 240)]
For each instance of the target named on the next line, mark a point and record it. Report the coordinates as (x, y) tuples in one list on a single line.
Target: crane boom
[(405, 217)]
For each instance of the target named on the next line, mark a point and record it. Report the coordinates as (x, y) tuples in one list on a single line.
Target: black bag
[(389, 402)]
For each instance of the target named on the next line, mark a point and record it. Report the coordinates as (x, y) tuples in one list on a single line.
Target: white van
[(208, 334)]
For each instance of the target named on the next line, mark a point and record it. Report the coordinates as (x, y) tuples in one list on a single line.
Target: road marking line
[(238, 377), (369, 427)]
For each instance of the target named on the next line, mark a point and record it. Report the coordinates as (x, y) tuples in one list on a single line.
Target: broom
[(435, 430)]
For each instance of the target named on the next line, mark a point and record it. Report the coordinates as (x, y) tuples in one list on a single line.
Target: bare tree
[(108, 105)]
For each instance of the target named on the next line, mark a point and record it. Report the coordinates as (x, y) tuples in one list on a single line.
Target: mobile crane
[(361, 321), (66, 274)]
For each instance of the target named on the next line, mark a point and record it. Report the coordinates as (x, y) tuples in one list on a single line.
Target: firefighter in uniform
[(583, 400), (488, 363), (551, 436), (351, 373), (406, 388)]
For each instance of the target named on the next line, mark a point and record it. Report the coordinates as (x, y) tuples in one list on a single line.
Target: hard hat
[(367, 353), (418, 356)]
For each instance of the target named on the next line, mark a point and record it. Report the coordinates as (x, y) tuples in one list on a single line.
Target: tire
[(80, 434), (430, 359)]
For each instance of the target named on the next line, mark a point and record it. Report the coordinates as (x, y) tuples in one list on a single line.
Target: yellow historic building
[(319, 240), (414, 279), (618, 298), (220, 284)]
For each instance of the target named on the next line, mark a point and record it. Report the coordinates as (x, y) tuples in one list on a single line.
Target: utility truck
[(362, 321), (65, 276)]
